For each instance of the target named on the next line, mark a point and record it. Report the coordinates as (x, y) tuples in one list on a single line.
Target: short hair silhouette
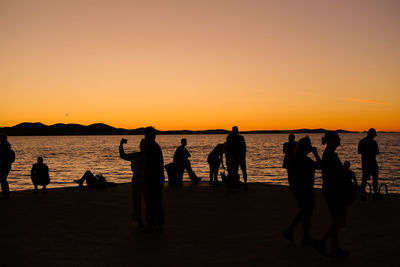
[(184, 141), (371, 132)]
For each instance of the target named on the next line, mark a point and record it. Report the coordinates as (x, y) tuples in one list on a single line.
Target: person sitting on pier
[(181, 159), (40, 175), (94, 181)]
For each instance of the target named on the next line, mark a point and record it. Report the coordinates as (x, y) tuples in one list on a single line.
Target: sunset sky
[(200, 64)]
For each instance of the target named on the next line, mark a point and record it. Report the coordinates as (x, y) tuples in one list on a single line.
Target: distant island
[(40, 129)]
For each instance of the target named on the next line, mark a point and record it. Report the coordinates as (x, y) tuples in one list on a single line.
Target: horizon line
[(219, 129)]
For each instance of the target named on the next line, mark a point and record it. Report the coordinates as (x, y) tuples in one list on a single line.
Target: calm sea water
[(68, 157)]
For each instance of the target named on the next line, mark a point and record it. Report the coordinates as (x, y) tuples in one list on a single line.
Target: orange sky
[(201, 64)]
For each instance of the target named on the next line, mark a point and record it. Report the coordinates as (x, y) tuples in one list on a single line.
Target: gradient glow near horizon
[(202, 64)]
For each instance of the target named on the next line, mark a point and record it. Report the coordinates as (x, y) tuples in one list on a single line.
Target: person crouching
[(40, 175)]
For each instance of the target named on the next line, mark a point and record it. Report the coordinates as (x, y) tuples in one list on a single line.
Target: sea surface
[(68, 157)]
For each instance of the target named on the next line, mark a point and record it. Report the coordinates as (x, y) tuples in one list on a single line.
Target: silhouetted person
[(7, 157), (154, 181), (94, 181), (138, 166), (349, 173), (40, 175), (214, 160), (303, 187), (289, 149), (182, 162), (333, 191), (368, 148), (235, 153)]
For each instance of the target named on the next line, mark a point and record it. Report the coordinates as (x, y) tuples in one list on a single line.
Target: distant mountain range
[(35, 129)]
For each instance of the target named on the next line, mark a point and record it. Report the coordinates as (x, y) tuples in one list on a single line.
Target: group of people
[(339, 184), (235, 156), (147, 181)]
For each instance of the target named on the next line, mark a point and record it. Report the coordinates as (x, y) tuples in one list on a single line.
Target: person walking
[(333, 188), (303, 188)]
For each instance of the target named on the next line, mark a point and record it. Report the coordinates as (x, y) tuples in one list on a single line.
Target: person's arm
[(122, 153), (377, 148), (317, 158), (222, 160), (244, 147), (359, 147)]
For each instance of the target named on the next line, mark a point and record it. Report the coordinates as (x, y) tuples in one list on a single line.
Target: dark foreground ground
[(206, 226)]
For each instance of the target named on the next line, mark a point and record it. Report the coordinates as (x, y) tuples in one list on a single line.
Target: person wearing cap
[(368, 148)]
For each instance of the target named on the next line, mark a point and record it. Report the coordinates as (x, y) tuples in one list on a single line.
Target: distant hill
[(37, 129)]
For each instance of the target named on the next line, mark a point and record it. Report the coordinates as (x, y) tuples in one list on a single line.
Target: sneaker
[(338, 253), (288, 234)]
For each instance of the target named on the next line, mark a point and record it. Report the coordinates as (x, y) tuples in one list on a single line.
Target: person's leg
[(236, 176), (149, 204), (290, 172), (296, 220), (4, 170), (375, 181), (160, 220), (35, 183), (193, 177), (243, 167), (336, 251), (211, 172), (135, 201)]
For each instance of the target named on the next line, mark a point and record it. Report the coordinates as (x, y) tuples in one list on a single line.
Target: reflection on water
[(68, 157)]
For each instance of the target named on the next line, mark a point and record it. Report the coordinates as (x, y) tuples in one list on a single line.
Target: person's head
[(40, 160), (371, 133), (346, 164), (235, 130), (303, 146), (291, 137), (149, 134), (331, 139), (3, 138), (142, 145), (183, 141)]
